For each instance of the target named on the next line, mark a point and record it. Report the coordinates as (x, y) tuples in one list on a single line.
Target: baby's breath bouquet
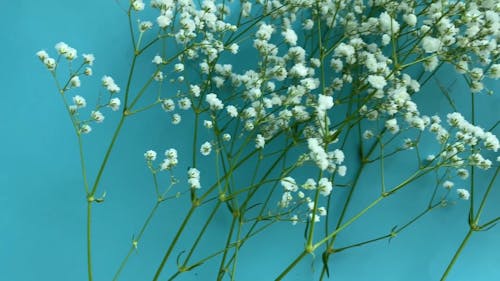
[(289, 103)]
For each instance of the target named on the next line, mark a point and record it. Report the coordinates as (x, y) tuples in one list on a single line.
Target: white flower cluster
[(293, 195), (194, 178), (168, 163), (74, 81), (170, 160), (329, 161)]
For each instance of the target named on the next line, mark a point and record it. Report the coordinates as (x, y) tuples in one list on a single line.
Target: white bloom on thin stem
[(259, 141), (89, 59), (232, 111), (150, 155), (97, 116), (42, 55), (376, 81), (431, 44), (289, 184), (214, 102), (85, 129), (463, 194), (194, 178), (176, 118), (206, 148), (114, 104), (157, 60), (138, 5), (325, 186), (75, 82), (79, 101)]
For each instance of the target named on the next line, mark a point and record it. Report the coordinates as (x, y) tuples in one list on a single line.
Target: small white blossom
[(289, 184), (232, 111), (431, 44), (214, 102), (75, 82), (179, 67), (325, 186), (259, 141), (89, 59), (206, 148), (157, 60), (168, 105), (79, 101), (185, 103), (150, 155), (448, 184), (463, 194), (138, 5), (85, 129), (376, 81), (114, 104), (97, 116), (176, 118), (208, 124)]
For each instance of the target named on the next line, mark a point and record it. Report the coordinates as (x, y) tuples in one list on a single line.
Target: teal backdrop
[(42, 202)]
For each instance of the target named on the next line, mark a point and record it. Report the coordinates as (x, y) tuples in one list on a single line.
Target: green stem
[(89, 245), (457, 253)]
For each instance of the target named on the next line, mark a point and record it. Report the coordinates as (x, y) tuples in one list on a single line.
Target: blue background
[(42, 213)]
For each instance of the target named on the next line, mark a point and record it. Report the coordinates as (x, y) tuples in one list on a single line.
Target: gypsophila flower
[(114, 104), (317, 153), (97, 116), (194, 178), (289, 184), (50, 63), (232, 111), (259, 141), (208, 124), (79, 101), (165, 19), (168, 105), (150, 155), (325, 186), (138, 5), (310, 184), (324, 102), (431, 44), (157, 60), (185, 103), (448, 184), (110, 84), (214, 102), (176, 119), (233, 48), (179, 67), (290, 36), (226, 137), (88, 71), (342, 170), (392, 125), (145, 25), (89, 59), (75, 82), (206, 148), (85, 129), (376, 81), (463, 194), (463, 173), (42, 55), (294, 219), (368, 134)]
